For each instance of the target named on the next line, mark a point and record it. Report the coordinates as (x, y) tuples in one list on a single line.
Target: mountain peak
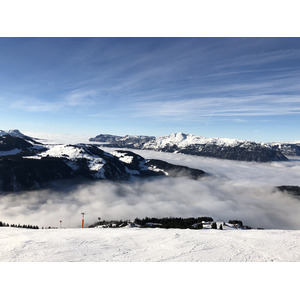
[(18, 134), (12, 132)]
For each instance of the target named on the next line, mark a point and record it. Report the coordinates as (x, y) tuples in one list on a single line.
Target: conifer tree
[(214, 225)]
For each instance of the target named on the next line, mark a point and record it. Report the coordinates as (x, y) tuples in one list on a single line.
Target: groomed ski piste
[(148, 245)]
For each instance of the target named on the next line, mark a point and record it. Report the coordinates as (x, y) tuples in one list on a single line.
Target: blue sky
[(246, 88)]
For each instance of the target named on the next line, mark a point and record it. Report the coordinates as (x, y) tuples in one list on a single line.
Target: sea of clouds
[(232, 190)]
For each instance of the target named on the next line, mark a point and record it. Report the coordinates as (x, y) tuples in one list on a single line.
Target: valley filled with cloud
[(231, 190)]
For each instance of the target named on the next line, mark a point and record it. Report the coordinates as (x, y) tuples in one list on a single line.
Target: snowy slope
[(145, 245)]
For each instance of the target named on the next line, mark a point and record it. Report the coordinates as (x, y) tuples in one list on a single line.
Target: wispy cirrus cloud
[(72, 99), (135, 79), (80, 97), (35, 105), (265, 105)]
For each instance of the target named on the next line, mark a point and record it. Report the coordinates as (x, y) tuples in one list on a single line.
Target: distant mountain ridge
[(222, 148), (28, 165)]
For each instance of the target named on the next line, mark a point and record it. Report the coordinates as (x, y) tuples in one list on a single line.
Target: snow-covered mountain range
[(196, 145), (26, 164)]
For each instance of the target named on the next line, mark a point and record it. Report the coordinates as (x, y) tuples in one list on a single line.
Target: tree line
[(110, 224), (172, 222), (3, 224)]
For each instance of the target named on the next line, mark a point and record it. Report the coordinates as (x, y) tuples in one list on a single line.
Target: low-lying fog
[(234, 190)]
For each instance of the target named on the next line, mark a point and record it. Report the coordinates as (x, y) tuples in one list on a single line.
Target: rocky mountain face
[(129, 141), (194, 145), (28, 165), (288, 149)]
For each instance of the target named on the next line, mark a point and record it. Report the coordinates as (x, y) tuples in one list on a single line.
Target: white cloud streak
[(264, 105), (35, 105), (77, 98)]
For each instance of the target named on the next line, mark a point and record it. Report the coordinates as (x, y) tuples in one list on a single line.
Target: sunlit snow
[(145, 245)]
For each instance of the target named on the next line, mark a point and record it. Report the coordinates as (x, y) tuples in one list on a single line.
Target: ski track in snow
[(148, 245)]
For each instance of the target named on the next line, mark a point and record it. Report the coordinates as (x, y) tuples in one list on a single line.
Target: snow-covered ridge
[(223, 148), (179, 139), (14, 132), (184, 140), (17, 134)]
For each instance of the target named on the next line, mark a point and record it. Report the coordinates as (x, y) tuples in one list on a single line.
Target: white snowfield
[(73, 153), (148, 245)]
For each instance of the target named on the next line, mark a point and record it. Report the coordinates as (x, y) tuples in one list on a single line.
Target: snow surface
[(73, 153), (148, 245), (64, 150), (124, 157)]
